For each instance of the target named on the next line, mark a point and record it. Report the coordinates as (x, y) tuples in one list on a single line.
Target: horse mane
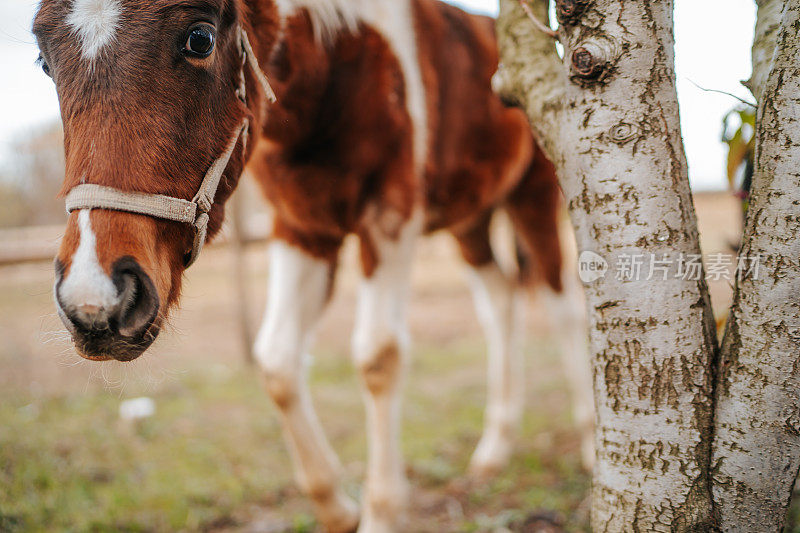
[(328, 17)]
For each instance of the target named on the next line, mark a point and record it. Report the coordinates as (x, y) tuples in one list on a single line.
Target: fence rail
[(40, 243)]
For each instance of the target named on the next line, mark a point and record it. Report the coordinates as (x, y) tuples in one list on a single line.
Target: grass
[(69, 464), (211, 457)]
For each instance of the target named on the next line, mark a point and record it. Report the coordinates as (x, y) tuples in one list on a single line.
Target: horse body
[(347, 127), (385, 126), (347, 149)]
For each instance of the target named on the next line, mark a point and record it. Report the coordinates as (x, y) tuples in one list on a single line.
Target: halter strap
[(194, 211)]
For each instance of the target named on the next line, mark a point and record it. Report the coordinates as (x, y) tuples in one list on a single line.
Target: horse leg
[(380, 351), (567, 320), (549, 242), (569, 324), (500, 305), (299, 288)]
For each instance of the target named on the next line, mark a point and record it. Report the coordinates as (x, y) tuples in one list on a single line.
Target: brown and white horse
[(385, 126)]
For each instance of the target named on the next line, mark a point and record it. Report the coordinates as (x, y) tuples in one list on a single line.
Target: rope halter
[(194, 211)]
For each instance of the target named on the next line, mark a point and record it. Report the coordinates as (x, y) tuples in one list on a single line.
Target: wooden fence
[(40, 243)]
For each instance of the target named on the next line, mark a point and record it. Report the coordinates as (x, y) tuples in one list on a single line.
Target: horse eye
[(43, 64), (200, 41)]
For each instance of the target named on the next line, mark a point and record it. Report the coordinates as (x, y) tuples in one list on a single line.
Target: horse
[(373, 118)]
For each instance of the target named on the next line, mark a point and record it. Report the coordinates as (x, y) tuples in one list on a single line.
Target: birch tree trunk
[(608, 117), (766, 33), (757, 446)]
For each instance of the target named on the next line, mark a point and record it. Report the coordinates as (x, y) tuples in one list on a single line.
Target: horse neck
[(297, 65)]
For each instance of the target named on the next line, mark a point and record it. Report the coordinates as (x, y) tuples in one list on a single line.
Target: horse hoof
[(482, 471)]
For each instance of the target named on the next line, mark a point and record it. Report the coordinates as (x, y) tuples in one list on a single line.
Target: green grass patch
[(213, 451)]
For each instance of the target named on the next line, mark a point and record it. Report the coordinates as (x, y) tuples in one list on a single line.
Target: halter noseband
[(194, 211)]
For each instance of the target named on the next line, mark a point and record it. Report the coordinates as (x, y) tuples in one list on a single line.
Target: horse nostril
[(138, 300)]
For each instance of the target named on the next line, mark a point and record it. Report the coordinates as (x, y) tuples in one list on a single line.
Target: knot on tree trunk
[(569, 11), (623, 132), (592, 61)]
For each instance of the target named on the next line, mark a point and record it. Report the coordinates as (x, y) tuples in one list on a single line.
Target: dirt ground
[(211, 458)]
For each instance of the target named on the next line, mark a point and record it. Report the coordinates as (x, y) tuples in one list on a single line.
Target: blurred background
[(185, 439)]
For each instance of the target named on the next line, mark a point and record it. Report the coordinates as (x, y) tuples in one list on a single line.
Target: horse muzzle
[(111, 318)]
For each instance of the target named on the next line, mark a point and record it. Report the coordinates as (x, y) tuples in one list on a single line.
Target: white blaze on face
[(87, 283), (95, 22)]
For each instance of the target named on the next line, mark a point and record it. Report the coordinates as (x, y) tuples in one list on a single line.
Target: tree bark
[(757, 446), (531, 73), (766, 32), (608, 117)]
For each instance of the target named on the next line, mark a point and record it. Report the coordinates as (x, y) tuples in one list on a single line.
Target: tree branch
[(529, 59), (757, 428), (742, 100), (766, 33), (544, 28)]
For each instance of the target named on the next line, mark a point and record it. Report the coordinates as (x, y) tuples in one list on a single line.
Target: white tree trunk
[(757, 446), (608, 117), (766, 33)]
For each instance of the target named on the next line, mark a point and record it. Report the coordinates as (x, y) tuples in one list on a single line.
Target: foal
[(384, 125)]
